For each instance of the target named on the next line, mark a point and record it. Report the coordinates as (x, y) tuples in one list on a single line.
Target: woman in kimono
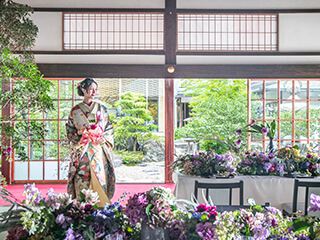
[(91, 165)]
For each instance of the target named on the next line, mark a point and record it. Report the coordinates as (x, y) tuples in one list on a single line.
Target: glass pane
[(285, 143), (54, 93), (286, 110), (36, 170), (256, 110), (300, 109), (21, 170), (300, 130), (23, 114), (36, 152), (271, 90), (285, 130), (256, 89), (51, 130), (64, 169), (286, 90), (36, 115), (66, 89), (51, 150), (64, 150), (53, 114), (303, 146), (271, 110), (25, 146), (65, 108), (63, 131), (51, 170), (301, 89), (257, 146), (314, 110), (314, 89), (314, 130), (315, 145)]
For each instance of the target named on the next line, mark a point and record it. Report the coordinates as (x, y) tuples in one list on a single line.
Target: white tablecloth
[(273, 189)]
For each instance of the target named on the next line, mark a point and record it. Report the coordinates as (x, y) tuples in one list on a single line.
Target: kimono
[(91, 164)]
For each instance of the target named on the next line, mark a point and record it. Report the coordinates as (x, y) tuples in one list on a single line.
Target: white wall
[(248, 4), (50, 30), (94, 3), (299, 32)]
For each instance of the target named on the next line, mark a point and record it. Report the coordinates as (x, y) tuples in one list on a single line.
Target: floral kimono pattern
[(91, 158)]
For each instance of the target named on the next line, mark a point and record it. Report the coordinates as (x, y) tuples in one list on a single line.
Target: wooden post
[(6, 165)]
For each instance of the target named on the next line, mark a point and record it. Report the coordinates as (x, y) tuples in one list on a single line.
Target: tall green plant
[(219, 107), (136, 122), (29, 94)]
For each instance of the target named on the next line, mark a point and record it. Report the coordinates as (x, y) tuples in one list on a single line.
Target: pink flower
[(202, 208), (93, 126), (238, 142), (264, 130), (238, 132), (253, 121)]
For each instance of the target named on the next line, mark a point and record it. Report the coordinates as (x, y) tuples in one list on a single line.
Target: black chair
[(230, 186), (287, 209), (231, 208)]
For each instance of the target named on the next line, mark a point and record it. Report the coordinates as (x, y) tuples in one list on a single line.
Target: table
[(273, 189)]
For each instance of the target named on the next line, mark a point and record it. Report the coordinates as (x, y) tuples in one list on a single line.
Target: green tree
[(219, 107), (136, 122), (17, 30), (30, 94)]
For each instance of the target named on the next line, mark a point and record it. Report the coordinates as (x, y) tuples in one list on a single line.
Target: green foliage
[(218, 147), (30, 94), (129, 157), (137, 122), (219, 106), (18, 32)]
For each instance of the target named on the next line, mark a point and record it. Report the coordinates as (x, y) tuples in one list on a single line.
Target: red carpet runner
[(17, 190)]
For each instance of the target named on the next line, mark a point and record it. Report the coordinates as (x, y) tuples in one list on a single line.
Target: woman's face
[(91, 92)]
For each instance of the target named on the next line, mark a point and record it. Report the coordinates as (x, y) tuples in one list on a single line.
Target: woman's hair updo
[(85, 84)]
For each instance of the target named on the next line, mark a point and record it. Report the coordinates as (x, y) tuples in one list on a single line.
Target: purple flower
[(307, 164), (270, 155), (261, 232), (315, 203), (60, 219), (98, 229), (238, 132), (136, 208), (206, 231), (280, 168), (267, 166), (196, 163), (264, 130), (238, 142), (70, 234), (179, 231)]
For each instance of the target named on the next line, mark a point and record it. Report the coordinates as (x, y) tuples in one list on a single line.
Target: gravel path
[(149, 172)]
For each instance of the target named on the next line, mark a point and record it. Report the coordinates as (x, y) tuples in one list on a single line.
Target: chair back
[(230, 186), (306, 185)]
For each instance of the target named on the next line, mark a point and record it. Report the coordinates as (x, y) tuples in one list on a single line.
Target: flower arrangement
[(296, 164), (206, 164), (60, 217), (260, 163), (153, 208)]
